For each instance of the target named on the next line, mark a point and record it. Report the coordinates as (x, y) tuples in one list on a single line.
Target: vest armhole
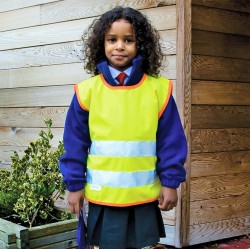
[(76, 88), (170, 90)]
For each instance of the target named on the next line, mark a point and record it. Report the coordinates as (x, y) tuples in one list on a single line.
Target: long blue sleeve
[(76, 143), (171, 147)]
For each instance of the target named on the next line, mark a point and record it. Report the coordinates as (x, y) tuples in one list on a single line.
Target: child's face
[(120, 44)]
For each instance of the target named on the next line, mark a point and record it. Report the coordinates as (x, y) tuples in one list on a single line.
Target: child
[(125, 145)]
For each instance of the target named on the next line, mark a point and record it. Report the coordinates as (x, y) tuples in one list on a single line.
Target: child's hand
[(168, 198), (75, 200)]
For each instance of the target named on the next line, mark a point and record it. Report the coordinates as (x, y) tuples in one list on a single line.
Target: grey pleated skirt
[(124, 227)]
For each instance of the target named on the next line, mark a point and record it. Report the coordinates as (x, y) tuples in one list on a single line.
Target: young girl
[(125, 145)]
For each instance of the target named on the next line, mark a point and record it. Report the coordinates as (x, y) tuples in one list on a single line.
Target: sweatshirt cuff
[(171, 183), (75, 187)]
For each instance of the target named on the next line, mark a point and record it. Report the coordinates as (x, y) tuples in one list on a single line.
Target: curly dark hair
[(147, 38)]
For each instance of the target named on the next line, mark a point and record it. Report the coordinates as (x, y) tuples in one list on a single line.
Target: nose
[(120, 45)]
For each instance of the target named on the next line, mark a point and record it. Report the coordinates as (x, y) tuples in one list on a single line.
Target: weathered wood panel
[(220, 132), (183, 93), (8, 5), (221, 163), (23, 136), (211, 19), (219, 68), (63, 53), (206, 211), (162, 19), (67, 10), (41, 55), (43, 76), (75, 9), (218, 186), (216, 140), (37, 96), (219, 44), (235, 5), (220, 93), (15, 19), (204, 116), (18, 116), (218, 230)]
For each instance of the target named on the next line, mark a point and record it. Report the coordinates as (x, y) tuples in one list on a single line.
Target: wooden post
[(183, 94)]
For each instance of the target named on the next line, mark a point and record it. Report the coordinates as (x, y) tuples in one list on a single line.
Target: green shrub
[(34, 183)]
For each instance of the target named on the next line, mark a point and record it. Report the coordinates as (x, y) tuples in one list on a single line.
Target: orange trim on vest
[(123, 87), (120, 205), (167, 99), (78, 98)]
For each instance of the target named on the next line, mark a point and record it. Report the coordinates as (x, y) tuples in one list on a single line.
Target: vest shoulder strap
[(83, 92), (164, 89)]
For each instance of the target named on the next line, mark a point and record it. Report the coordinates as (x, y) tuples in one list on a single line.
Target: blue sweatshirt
[(171, 145)]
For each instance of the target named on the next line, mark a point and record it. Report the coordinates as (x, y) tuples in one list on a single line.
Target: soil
[(16, 220)]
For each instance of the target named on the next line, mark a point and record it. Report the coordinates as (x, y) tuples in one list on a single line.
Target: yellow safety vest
[(123, 121)]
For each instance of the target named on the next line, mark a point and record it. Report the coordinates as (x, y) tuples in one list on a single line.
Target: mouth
[(119, 57)]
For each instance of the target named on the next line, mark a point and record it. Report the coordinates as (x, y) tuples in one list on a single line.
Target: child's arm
[(73, 163), (171, 155)]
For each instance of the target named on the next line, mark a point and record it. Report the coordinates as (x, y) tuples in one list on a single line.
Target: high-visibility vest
[(123, 121)]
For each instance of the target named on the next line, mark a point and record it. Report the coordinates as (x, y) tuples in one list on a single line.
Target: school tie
[(120, 78)]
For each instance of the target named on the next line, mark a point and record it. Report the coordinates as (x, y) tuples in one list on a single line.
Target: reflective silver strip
[(121, 179), (123, 148)]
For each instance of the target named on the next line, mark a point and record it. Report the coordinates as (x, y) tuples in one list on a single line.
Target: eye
[(129, 40), (111, 39)]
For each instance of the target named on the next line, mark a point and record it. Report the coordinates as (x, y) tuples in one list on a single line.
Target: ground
[(242, 242)]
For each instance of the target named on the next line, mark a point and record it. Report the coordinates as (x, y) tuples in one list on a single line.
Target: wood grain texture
[(220, 163), (75, 9), (52, 96), (207, 211), (220, 69), (63, 53), (9, 5), (240, 5), (21, 137), (219, 44), (19, 116), (162, 19), (20, 18), (220, 93), (41, 56), (45, 34), (218, 20), (183, 99), (220, 140), (67, 10), (220, 186), (210, 116), (220, 229), (43, 76)]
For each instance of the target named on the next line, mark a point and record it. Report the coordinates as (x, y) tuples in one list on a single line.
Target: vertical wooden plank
[(183, 83)]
